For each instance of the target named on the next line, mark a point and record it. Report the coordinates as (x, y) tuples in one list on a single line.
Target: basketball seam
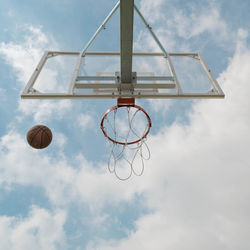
[(35, 134), (50, 137), (41, 138), (45, 132)]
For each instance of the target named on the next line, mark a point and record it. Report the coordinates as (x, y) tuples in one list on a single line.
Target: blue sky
[(194, 193)]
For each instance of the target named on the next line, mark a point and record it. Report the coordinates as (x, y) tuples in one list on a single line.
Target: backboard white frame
[(117, 89)]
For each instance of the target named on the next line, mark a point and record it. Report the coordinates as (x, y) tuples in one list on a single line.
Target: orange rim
[(126, 143)]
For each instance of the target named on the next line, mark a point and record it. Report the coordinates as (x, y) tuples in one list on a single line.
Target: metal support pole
[(126, 38)]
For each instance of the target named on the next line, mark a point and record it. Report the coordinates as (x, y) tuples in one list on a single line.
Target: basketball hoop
[(126, 127)]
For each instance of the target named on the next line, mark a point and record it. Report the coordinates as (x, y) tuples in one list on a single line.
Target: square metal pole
[(126, 38)]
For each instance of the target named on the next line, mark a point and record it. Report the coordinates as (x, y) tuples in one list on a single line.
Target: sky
[(194, 193)]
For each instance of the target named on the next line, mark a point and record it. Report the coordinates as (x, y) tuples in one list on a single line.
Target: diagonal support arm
[(169, 61), (79, 61)]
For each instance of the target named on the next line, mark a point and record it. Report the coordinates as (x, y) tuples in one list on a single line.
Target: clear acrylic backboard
[(98, 77)]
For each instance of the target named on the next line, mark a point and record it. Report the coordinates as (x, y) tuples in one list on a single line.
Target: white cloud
[(23, 165), (85, 121), (59, 139), (160, 105), (87, 183), (23, 58), (42, 111), (197, 181), (40, 230), (151, 9), (199, 21), (190, 20), (242, 34)]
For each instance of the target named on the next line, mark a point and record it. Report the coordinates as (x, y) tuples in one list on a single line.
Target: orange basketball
[(39, 137)]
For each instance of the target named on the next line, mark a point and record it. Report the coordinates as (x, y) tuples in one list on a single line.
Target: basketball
[(39, 137)]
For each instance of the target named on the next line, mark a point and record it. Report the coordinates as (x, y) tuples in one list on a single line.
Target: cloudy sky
[(194, 193)]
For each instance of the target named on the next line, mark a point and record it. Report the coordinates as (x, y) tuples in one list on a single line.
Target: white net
[(127, 128)]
